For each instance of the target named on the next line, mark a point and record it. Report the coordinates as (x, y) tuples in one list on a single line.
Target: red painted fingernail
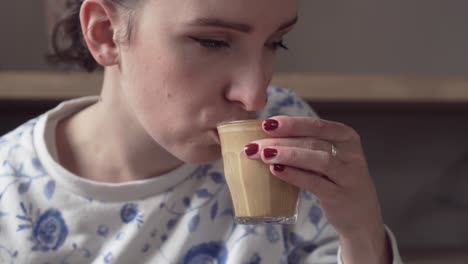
[(251, 149), (269, 153), (279, 167), (270, 124)]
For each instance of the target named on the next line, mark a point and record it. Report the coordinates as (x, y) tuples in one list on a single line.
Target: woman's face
[(194, 63)]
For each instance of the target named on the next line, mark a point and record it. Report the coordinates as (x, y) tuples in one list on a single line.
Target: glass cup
[(257, 195)]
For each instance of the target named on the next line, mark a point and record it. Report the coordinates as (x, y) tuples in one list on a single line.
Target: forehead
[(244, 6), (260, 13)]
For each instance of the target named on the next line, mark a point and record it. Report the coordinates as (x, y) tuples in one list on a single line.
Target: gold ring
[(334, 151)]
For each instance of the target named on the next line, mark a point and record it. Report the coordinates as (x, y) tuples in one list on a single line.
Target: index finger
[(300, 126)]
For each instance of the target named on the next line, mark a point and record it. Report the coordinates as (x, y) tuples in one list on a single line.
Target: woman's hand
[(302, 152)]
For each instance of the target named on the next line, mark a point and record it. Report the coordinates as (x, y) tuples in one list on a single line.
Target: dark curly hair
[(67, 41)]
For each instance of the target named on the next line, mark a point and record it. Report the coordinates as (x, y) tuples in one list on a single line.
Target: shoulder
[(21, 134), (17, 147), (282, 101)]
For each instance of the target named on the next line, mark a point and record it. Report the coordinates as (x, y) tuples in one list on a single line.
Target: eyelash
[(278, 45), (218, 44), (211, 43)]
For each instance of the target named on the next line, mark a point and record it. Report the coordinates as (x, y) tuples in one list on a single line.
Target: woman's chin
[(207, 155)]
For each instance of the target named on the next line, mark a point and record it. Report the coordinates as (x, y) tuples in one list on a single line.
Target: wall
[(391, 36), (22, 33), (419, 36)]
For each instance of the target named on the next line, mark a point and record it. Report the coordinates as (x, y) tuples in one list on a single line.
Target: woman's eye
[(211, 43), (276, 45)]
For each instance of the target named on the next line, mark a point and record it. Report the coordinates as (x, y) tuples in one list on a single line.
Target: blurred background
[(415, 138), (361, 36)]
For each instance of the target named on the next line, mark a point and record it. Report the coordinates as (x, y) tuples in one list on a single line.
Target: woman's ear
[(99, 31)]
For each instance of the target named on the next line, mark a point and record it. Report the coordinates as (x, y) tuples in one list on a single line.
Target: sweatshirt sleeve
[(393, 243)]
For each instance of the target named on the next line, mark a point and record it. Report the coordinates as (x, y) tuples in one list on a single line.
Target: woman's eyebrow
[(288, 24), (216, 22), (241, 27)]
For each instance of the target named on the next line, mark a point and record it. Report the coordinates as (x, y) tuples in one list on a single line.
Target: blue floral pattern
[(301, 251), (103, 230), (128, 213), (77, 254), (315, 214), (14, 172), (255, 259), (49, 230), (210, 252), (272, 234), (108, 258)]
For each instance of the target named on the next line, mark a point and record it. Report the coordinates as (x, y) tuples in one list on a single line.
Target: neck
[(104, 142)]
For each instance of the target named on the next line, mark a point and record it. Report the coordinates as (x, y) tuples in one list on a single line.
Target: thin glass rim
[(235, 122)]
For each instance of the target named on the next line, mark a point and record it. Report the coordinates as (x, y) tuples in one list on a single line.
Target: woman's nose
[(249, 88)]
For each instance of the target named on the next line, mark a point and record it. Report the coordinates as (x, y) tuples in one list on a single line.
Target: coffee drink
[(258, 196)]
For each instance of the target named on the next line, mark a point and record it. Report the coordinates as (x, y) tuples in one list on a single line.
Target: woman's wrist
[(371, 247)]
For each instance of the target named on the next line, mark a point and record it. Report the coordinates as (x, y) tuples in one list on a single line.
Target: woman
[(114, 179)]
